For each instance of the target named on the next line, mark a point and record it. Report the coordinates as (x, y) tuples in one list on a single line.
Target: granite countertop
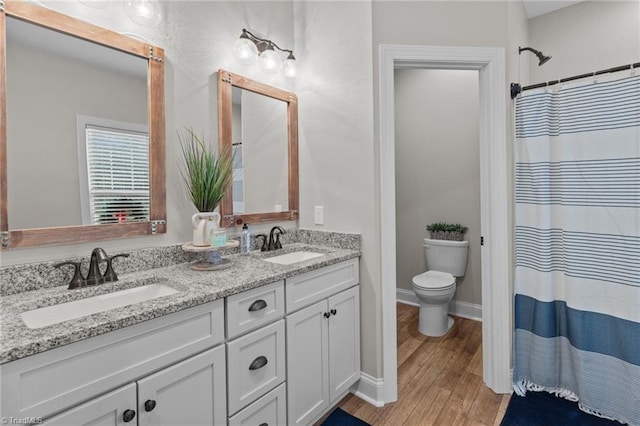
[(195, 288)]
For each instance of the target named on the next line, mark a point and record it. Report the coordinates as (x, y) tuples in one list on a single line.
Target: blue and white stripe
[(577, 246)]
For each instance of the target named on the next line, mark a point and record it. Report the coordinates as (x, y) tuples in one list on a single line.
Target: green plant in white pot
[(207, 174), (446, 231)]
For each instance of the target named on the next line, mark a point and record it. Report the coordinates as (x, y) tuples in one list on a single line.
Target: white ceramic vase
[(205, 224)]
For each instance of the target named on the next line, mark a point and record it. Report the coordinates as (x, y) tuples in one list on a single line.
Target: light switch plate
[(318, 215)]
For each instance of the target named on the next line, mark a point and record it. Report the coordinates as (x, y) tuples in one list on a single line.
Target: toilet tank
[(446, 256)]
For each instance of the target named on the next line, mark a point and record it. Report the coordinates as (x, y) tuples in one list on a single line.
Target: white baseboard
[(369, 389), (462, 309), (408, 297)]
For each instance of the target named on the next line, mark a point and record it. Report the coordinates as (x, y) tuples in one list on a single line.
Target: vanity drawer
[(270, 410), (251, 309), (48, 382), (308, 288), (255, 365)]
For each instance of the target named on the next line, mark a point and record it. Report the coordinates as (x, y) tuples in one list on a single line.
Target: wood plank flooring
[(439, 379)]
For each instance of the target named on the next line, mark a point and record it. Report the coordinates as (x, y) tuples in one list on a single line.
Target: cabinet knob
[(258, 363), (149, 405), (257, 305), (326, 314), (128, 415), (334, 311)]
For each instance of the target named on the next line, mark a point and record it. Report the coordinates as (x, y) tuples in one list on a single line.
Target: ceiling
[(540, 7)]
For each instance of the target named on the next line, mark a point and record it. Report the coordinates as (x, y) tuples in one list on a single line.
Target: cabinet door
[(191, 392), (344, 341), (106, 410), (307, 364)]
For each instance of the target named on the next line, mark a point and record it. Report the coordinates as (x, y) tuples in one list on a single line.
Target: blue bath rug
[(545, 409), (341, 418)]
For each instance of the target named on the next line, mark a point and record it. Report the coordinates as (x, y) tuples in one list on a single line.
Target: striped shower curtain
[(577, 239)]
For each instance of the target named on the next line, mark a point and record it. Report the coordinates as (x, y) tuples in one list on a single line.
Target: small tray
[(202, 249), (212, 260)]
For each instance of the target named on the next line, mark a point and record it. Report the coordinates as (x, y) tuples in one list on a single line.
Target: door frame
[(495, 188)]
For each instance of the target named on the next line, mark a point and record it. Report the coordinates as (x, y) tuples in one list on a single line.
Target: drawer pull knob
[(334, 311), (258, 363), (149, 405), (326, 314), (128, 415), (264, 424), (257, 305)]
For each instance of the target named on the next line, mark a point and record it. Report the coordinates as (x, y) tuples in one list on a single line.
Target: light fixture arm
[(257, 40)]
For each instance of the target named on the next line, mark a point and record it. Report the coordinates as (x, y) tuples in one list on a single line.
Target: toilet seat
[(434, 280)]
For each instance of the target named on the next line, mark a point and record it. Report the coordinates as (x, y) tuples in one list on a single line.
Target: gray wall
[(585, 37), (437, 168)]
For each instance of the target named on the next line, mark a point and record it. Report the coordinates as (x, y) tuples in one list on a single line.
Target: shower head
[(542, 59)]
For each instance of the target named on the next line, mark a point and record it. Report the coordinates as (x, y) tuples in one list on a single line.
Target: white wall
[(585, 37), (437, 168), (337, 169)]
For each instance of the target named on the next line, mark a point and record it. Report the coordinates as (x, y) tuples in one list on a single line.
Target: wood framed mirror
[(259, 124), (67, 88)]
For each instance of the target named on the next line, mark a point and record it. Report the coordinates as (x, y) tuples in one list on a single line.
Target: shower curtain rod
[(516, 88)]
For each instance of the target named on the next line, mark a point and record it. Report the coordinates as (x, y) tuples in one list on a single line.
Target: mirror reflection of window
[(114, 166), (51, 78)]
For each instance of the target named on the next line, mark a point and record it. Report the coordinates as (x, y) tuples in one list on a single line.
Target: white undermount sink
[(55, 314), (294, 257)]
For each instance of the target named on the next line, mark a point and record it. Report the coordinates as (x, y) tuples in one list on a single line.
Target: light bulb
[(290, 67), (144, 12), (245, 51), (269, 61)]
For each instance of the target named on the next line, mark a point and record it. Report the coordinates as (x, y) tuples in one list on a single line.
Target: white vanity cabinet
[(191, 392), (292, 349), (323, 339), (169, 360)]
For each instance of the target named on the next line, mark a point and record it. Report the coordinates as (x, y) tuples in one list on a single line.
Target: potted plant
[(446, 231), (207, 174)]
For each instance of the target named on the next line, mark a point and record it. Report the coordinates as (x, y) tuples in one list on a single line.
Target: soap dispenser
[(245, 240)]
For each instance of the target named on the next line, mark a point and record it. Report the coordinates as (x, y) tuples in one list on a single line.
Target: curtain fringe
[(522, 386)]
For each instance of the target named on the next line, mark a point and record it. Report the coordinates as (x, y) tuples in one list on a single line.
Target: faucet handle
[(110, 274), (77, 280)]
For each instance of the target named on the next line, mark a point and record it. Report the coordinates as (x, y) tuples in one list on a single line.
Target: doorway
[(437, 175), (495, 195)]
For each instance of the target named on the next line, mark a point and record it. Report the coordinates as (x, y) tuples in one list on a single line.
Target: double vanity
[(271, 340)]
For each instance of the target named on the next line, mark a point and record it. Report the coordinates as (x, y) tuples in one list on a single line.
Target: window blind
[(118, 174)]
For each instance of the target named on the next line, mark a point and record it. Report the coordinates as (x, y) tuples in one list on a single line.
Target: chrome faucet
[(272, 242), (94, 276)]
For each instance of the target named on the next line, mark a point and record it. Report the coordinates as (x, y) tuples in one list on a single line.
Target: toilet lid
[(434, 279)]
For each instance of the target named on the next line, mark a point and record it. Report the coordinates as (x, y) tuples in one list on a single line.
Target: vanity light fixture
[(144, 12), (248, 48)]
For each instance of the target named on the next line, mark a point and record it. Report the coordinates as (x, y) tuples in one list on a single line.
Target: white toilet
[(435, 288)]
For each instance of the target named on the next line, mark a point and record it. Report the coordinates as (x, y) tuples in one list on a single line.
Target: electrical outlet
[(319, 215)]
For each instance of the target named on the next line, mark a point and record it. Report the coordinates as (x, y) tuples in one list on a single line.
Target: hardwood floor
[(439, 379)]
